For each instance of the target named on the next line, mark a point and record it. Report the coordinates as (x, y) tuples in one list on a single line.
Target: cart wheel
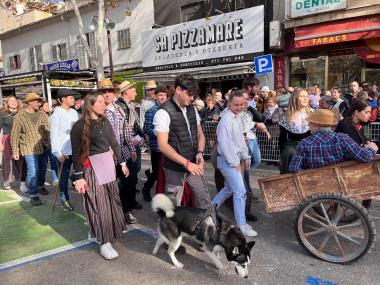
[(329, 238)]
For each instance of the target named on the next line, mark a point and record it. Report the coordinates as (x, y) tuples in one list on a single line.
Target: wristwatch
[(199, 151)]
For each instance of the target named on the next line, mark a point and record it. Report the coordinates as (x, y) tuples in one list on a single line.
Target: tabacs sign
[(300, 8), (226, 38), (65, 65)]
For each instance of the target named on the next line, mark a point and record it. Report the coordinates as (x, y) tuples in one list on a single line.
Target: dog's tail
[(163, 206)]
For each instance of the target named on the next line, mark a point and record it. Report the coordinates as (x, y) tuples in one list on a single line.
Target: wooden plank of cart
[(330, 222)]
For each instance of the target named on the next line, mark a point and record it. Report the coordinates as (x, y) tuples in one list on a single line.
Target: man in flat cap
[(61, 122), (30, 137)]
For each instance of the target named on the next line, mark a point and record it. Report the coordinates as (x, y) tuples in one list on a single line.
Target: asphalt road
[(277, 258)]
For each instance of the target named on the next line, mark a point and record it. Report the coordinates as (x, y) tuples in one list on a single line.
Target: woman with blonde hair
[(293, 127), (11, 169)]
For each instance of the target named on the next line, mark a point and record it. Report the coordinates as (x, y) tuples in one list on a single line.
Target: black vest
[(179, 137)]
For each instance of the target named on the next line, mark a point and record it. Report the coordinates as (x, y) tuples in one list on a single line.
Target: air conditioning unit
[(275, 35)]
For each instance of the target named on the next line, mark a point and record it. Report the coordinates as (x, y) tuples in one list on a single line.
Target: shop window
[(59, 52), (14, 62), (307, 72), (344, 69), (239, 4), (372, 73), (124, 39), (35, 56)]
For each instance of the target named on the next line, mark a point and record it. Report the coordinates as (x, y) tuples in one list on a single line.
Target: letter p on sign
[(264, 64)]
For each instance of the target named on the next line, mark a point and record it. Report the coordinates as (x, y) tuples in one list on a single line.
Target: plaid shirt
[(149, 128), (325, 148), (121, 130)]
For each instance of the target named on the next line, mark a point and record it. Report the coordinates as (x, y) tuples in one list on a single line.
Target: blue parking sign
[(264, 64)]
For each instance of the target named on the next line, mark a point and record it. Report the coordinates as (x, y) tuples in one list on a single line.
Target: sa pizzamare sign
[(226, 38), (300, 8)]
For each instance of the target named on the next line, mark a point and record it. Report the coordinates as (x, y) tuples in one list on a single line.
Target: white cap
[(265, 89)]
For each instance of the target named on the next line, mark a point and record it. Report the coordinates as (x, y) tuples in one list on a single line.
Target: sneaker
[(67, 206), (35, 201), (130, 218), (107, 251), (247, 230), (146, 194), (43, 191), (7, 185), (23, 187)]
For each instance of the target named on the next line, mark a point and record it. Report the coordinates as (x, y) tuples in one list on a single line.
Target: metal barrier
[(209, 130), (268, 148), (372, 131)]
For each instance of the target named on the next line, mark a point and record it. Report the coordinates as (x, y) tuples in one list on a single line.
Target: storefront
[(47, 82), (335, 53), (218, 50)]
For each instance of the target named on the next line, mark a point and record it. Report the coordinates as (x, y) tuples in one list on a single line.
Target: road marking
[(69, 248), (310, 280)]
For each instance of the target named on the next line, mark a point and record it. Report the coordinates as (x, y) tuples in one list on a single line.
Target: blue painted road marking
[(310, 280)]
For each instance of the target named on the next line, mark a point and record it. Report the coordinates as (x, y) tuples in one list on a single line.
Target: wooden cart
[(331, 222)]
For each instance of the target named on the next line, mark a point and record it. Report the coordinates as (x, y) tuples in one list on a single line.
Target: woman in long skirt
[(92, 138)]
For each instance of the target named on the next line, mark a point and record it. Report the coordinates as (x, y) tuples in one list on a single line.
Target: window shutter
[(54, 53)]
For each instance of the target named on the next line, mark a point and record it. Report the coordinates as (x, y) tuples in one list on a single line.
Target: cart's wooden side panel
[(280, 194), (357, 180), (362, 180)]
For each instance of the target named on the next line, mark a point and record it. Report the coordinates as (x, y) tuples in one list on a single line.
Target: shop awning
[(198, 73), (338, 31)]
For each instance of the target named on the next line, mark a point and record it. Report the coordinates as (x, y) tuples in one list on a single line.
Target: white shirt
[(248, 124), (161, 120), (231, 142), (61, 122)]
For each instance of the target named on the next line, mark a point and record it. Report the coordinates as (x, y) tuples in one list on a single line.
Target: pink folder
[(104, 167)]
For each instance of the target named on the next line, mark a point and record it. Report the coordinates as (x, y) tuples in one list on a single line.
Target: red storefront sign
[(338, 31), (279, 72), (370, 52)]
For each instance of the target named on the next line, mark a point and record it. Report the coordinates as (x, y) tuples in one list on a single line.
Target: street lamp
[(109, 25)]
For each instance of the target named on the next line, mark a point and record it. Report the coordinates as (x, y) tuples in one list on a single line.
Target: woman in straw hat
[(92, 138)]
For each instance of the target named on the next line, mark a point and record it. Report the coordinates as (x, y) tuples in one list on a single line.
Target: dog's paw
[(178, 265), (155, 251)]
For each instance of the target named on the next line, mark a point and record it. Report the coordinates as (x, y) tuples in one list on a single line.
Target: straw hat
[(32, 97), (125, 85), (105, 84), (151, 84), (322, 117)]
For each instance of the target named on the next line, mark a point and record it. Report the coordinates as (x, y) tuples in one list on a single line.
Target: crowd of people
[(100, 138)]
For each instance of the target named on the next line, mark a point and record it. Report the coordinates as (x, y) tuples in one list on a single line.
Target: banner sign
[(299, 8), (65, 65), (279, 72), (226, 38)]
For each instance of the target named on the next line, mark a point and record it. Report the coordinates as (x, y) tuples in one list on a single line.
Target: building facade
[(57, 38), (331, 43)]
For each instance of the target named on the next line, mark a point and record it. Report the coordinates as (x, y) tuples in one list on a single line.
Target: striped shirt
[(116, 117), (30, 138)]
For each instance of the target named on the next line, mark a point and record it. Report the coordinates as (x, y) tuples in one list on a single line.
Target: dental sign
[(300, 8), (226, 38)]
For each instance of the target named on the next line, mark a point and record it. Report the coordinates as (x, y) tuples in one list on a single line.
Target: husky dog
[(207, 228)]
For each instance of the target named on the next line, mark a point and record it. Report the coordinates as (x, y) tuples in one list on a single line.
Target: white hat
[(265, 89)]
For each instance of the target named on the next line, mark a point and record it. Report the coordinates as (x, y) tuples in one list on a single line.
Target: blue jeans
[(255, 153), (64, 180), (233, 185), (254, 149), (36, 170)]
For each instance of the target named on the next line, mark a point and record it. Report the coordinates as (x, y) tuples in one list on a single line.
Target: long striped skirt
[(103, 208)]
